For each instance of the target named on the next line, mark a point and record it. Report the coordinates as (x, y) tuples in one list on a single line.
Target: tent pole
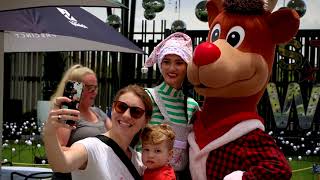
[(132, 19), (1, 90)]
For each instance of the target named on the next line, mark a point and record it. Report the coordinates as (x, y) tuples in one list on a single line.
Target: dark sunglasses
[(90, 88), (121, 107)]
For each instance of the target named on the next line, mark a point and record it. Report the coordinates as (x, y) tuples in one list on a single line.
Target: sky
[(311, 19)]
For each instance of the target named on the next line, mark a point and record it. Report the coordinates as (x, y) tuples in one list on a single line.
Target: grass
[(302, 169), (24, 155)]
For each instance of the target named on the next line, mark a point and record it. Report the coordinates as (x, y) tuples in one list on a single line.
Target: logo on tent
[(71, 19), (34, 35)]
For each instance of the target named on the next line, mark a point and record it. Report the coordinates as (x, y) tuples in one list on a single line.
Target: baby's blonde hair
[(156, 134)]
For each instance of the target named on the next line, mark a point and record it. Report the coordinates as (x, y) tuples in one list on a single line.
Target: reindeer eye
[(215, 32), (235, 36)]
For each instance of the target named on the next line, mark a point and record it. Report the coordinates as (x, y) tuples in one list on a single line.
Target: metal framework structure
[(30, 77)]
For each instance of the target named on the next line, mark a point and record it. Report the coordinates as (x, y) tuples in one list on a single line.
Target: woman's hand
[(57, 116)]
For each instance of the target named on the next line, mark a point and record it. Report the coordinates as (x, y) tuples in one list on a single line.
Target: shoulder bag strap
[(120, 153)]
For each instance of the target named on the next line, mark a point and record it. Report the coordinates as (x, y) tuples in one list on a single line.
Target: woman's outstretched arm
[(61, 160)]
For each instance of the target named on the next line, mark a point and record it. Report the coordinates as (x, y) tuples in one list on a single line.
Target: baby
[(157, 151)]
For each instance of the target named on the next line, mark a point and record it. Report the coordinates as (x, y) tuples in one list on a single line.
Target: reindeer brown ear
[(284, 24), (214, 7)]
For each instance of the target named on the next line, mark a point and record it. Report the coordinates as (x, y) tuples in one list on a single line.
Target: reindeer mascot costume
[(232, 70)]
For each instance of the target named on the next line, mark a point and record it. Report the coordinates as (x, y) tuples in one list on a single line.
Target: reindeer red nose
[(206, 53)]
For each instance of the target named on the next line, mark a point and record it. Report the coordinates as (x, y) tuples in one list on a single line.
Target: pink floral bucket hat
[(177, 43)]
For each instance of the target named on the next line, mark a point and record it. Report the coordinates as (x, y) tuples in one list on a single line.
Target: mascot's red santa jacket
[(232, 70)]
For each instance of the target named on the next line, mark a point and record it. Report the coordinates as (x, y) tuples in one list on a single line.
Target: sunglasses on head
[(121, 107)]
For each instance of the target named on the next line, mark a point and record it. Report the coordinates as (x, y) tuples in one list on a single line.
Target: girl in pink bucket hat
[(171, 105)]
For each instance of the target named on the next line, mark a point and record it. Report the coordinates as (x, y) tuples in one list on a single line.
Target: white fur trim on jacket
[(235, 175), (198, 158)]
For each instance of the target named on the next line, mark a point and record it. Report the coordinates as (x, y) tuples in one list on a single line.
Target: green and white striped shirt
[(172, 103), (172, 100)]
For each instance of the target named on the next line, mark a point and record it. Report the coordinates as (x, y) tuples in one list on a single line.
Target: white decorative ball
[(308, 133), (315, 152), (299, 157), (308, 152)]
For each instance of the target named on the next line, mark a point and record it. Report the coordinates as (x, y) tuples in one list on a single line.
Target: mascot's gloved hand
[(236, 175)]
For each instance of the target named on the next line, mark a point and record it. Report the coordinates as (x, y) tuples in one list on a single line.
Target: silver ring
[(59, 117)]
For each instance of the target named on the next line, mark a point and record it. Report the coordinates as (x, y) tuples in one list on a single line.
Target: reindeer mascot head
[(231, 70)]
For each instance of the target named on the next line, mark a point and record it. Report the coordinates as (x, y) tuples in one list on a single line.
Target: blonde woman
[(93, 121)]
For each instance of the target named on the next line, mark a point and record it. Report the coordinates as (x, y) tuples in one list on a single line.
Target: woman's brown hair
[(142, 94)]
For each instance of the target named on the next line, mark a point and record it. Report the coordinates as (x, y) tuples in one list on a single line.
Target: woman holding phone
[(92, 158), (93, 121)]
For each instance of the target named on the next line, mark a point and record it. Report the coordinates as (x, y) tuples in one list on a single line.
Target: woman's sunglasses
[(90, 88), (121, 107)]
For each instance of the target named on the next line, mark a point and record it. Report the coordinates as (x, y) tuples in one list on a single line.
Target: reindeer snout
[(206, 53)]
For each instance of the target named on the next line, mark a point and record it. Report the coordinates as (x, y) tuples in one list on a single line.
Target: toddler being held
[(157, 151)]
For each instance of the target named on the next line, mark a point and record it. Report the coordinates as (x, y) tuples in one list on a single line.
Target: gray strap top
[(88, 129)]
